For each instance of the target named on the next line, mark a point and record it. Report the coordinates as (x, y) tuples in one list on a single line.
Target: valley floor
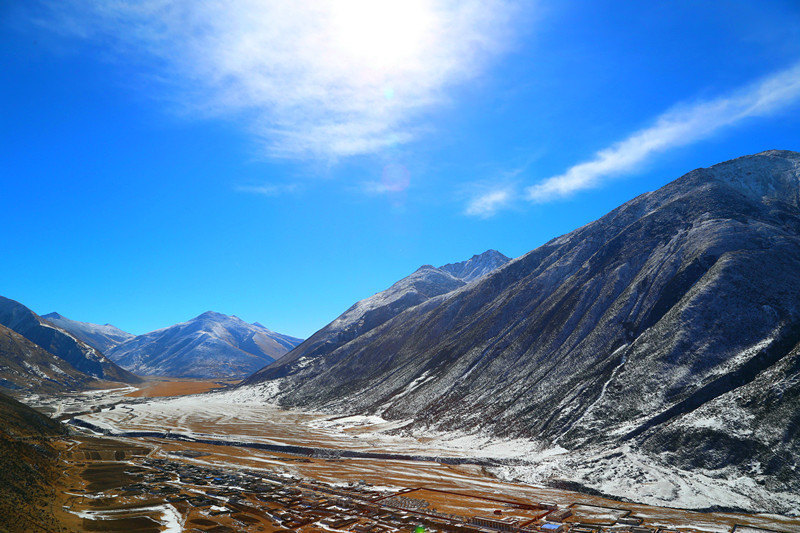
[(222, 463), (163, 387)]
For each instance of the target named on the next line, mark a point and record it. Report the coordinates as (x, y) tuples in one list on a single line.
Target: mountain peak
[(211, 345), (211, 315), (52, 316), (786, 154), (477, 266), (773, 174)]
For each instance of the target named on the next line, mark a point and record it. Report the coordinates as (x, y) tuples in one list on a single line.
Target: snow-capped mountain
[(211, 345), (101, 337), (660, 343), (25, 366), (477, 266), (61, 343), (425, 283)]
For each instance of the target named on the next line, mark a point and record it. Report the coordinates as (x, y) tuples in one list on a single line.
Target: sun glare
[(319, 78), (380, 36)]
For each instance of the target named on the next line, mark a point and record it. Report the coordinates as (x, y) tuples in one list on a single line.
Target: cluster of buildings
[(245, 498)]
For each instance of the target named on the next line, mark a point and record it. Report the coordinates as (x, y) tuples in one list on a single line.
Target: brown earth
[(117, 467), (469, 490), (28, 467), (176, 387), (50, 481)]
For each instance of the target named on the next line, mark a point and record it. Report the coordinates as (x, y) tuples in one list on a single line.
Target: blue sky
[(281, 160)]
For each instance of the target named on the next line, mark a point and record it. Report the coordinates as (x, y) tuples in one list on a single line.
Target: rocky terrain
[(102, 337), (211, 345), (477, 266), (664, 334), (60, 343), (24, 366)]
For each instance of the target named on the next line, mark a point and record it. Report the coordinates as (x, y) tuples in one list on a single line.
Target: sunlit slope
[(670, 324), (102, 337), (211, 345)]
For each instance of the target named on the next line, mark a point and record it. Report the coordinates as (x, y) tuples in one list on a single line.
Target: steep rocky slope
[(24, 366), (60, 343), (102, 337), (211, 345), (668, 329), (365, 315)]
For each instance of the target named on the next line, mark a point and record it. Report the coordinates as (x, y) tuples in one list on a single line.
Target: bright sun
[(381, 36)]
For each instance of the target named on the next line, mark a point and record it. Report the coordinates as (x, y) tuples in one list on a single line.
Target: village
[(122, 478)]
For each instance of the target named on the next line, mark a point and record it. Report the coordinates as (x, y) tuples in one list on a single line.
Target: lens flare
[(395, 178)]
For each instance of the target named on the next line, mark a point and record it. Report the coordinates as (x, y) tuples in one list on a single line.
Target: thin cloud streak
[(678, 127), (268, 189), (487, 204), (488, 197), (325, 79)]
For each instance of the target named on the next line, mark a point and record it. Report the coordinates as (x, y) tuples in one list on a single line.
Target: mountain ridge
[(26, 367), (80, 355), (103, 337), (424, 284), (629, 333)]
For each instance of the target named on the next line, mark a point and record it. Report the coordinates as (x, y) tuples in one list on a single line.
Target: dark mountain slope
[(24, 366), (100, 337), (426, 283), (677, 311), (58, 342), (211, 345), (28, 468)]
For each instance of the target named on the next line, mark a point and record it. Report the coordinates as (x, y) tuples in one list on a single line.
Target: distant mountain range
[(57, 342), (665, 334), (101, 337), (211, 345), (660, 343), (53, 353)]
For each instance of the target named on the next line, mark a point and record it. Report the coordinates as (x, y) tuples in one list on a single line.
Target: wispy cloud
[(269, 189), (485, 198), (678, 127), (487, 204), (327, 78)]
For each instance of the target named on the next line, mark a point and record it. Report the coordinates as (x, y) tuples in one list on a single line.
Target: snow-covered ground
[(623, 472), (170, 518), (56, 405)]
